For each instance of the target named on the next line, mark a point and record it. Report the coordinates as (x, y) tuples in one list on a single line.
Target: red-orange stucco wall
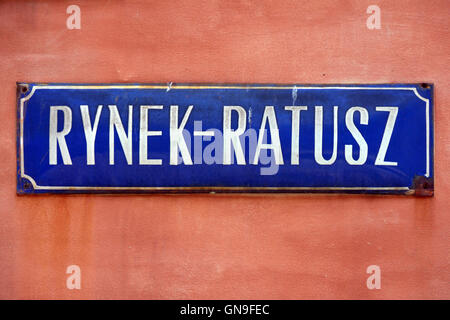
[(224, 246)]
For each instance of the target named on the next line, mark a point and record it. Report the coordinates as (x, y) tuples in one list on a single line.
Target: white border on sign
[(170, 87)]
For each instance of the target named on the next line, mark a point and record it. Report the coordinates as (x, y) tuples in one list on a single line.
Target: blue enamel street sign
[(86, 138)]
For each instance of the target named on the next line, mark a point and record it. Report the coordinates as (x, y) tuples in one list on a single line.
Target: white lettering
[(58, 138), (125, 139), (231, 137), (275, 146), (318, 139), (144, 134), (295, 132), (363, 148), (177, 141), (89, 132), (393, 111)]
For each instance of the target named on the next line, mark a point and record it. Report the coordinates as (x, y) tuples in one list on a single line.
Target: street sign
[(113, 138)]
